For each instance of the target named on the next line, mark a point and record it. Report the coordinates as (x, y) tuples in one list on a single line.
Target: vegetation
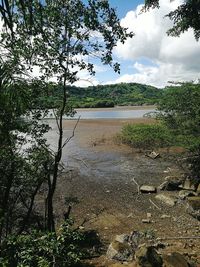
[(99, 96), (144, 136), (60, 38)]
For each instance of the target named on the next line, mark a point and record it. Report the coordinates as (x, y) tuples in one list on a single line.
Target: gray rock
[(146, 221), (167, 199), (153, 155), (174, 260), (119, 251), (148, 189), (188, 185), (185, 193), (148, 257), (122, 238)]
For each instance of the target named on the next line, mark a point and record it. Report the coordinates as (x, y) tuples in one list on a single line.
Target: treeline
[(124, 94)]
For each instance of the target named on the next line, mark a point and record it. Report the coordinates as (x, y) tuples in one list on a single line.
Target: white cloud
[(177, 58)]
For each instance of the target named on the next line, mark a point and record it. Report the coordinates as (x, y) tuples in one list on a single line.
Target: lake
[(110, 113)]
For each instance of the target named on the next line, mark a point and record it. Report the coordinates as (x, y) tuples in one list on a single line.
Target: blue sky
[(151, 56)]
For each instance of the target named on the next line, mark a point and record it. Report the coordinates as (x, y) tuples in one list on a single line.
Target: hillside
[(101, 95)]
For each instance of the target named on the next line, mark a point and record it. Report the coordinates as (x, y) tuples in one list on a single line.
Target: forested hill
[(102, 95)]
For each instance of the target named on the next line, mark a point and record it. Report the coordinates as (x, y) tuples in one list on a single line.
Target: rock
[(174, 260), (167, 199), (149, 215), (146, 221), (193, 207), (171, 183), (188, 185), (147, 257), (185, 193), (165, 216), (194, 202), (148, 189), (119, 251), (153, 155), (122, 238)]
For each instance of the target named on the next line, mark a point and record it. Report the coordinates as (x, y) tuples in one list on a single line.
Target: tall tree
[(63, 38)]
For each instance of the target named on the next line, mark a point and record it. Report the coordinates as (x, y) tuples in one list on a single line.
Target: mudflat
[(101, 182)]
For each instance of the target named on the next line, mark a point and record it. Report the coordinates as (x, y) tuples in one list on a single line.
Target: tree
[(184, 17), (62, 37), (180, 112)]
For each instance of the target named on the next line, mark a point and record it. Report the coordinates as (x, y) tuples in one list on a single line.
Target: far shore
[(118, 108)]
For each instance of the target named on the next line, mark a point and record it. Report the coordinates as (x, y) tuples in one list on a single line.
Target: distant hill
[(102, 95)]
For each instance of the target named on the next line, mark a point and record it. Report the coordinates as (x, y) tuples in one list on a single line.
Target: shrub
[(42, 249), (146, 136)]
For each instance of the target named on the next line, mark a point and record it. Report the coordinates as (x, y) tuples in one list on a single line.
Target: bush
[(146, 136), (42, 249)]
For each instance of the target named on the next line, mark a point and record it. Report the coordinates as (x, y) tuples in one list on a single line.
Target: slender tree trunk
[(52, 184)]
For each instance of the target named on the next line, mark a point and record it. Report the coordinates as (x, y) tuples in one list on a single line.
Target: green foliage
[(180, 111), (42, 249), (97, 96), (144, 136)]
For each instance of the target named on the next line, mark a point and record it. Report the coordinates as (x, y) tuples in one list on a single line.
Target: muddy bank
[(98, 183)]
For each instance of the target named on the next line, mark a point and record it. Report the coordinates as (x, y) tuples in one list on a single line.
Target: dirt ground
[(100, 185)]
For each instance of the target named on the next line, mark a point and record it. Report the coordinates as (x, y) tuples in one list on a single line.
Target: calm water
[(110, 113)]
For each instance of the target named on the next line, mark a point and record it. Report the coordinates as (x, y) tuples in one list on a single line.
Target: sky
[(151, 56)]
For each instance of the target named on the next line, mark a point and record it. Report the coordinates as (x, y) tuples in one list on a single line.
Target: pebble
[(146, 221)]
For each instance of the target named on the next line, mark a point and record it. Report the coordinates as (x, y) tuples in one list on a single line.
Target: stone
[(146, 221), (166, 199), (153, 155), (122, 238), (171, 183), (148, 189), (165, 216), (147, 256), (119, 251), (188, 185), (149, 215), (193, 207), (194, 202), (185, 193), (175, 259)]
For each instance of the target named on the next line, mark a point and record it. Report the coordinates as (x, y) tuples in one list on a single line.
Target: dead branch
[(138, 187), (73, 132), (154, 204)]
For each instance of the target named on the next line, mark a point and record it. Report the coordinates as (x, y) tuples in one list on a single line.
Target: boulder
[(193, 207), (148, 189), (167, 199), (186, 193), (147, 256), (174, 260), (119, 251)]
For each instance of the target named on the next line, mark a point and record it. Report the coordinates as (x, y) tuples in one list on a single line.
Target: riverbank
[(98, 184)]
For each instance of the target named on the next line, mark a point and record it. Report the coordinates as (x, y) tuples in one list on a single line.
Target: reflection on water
[(108, 114)]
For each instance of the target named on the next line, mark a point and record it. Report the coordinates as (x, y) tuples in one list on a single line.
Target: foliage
[(180, 111), (97, 96), (184, 17), (24, 155), (43, 249), (144, 136)]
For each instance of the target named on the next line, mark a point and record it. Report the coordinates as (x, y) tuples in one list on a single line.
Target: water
[(110, 113)]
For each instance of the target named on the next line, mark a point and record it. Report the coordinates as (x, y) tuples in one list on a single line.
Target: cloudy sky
[(151, 57)]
